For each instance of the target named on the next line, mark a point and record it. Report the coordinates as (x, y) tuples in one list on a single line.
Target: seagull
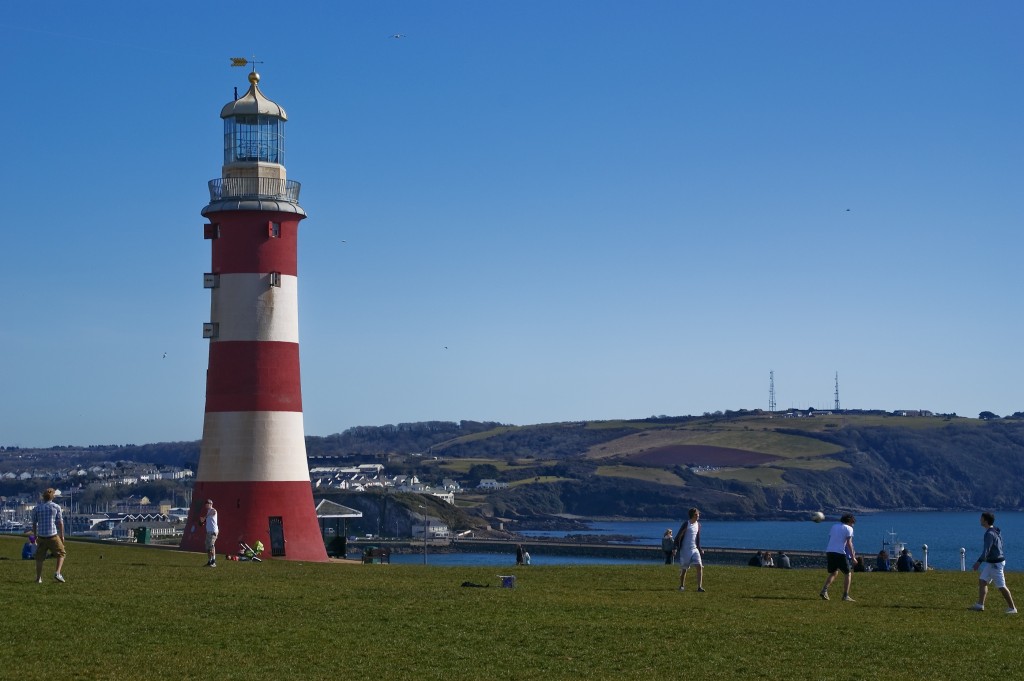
[(398, 35), (165, 356)]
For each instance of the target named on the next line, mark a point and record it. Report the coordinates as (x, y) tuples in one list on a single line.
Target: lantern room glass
[(253, 138)]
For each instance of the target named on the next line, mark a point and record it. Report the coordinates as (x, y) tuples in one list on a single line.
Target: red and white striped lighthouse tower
[(252, 463)]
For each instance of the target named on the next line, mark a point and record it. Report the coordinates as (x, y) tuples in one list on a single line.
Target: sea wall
[(539, 547)]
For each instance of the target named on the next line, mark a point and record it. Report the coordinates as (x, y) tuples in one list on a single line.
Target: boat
[(892, 545)]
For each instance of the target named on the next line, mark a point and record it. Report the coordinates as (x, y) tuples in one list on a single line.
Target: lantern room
[(254, 135)]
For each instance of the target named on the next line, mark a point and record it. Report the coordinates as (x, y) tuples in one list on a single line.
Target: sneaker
[(39, 580), (682, 588), (213, 563), (59, 577), (848, 599), (977, 606), (1011, 611), (824, 595), (700, 589)]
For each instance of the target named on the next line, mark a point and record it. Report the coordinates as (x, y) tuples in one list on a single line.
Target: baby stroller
[(247, 552)]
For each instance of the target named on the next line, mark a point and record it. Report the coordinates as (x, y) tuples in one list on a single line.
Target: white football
[(817, 516)]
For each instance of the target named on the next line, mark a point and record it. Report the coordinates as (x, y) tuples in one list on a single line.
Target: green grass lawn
[(130, 612)]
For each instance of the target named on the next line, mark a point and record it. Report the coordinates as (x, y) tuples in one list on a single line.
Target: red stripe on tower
[(252, 462)]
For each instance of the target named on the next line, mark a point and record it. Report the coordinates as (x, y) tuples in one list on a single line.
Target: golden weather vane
[(242, 61)]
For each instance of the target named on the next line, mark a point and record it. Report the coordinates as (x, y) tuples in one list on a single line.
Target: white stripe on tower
[(248, 308), (231, 437)]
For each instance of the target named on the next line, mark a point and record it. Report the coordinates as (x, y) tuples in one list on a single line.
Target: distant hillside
[(736, 464)]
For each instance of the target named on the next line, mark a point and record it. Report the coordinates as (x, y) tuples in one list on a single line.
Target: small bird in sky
[(165, 356), (398, 35), (847, 210)]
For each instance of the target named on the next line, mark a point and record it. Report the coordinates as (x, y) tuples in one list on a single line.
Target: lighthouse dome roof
[(253, 102)]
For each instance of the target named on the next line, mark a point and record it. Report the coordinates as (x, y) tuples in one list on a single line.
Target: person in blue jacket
[(28, 549)]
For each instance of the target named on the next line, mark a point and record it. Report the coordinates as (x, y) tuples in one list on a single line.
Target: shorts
[(686, 561), (838, 562), (52, 544), (211, 541), (992, 573)]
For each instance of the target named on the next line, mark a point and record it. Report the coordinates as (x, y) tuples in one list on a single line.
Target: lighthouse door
[(276, 536)]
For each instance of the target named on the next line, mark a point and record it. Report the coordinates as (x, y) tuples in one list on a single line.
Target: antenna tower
[(771, 392), (837, 391)]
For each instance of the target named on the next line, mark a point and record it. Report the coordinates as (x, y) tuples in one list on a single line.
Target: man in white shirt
[(840, 554), (209, 517), (688, 547)]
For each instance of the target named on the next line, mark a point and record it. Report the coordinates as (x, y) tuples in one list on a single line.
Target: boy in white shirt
[(840, 554)]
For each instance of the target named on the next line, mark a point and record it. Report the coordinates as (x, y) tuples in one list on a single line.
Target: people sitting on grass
[(882, 563), (905, 563), (28, 549)]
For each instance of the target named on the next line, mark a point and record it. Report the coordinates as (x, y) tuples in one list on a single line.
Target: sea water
[(945, 533)]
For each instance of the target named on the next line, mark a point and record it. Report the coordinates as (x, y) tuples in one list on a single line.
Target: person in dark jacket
[(668, 545), (905, 563)]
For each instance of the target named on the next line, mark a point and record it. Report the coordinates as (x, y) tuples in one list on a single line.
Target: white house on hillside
[(490, 483)]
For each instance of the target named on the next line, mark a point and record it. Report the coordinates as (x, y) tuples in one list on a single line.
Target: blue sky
[(523, 212)]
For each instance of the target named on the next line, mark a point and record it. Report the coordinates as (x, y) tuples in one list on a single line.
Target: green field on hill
[(760, 441), (131, 612), (657, 475)]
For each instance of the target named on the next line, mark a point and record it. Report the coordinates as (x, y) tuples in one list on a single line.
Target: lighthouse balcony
[(254, 188)]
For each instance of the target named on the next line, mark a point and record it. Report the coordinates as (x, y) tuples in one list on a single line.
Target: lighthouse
[(252, 462)]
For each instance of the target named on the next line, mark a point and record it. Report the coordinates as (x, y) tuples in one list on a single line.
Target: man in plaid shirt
[(48, 527)]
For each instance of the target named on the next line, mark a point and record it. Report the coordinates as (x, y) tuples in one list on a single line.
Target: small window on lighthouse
[(275, 279), (211, 280), (274, 230), (210, 330), (211, 231)]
